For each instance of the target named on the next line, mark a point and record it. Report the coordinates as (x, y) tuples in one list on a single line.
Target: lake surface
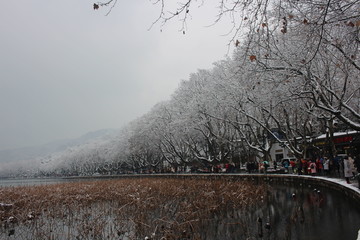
[(306, 212), (289, 212), (33, 181)]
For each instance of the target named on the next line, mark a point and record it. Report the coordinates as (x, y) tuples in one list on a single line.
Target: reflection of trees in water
[(293, 211), (307, 213)]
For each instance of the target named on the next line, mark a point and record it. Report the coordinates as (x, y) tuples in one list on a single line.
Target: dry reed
[(152, 208)]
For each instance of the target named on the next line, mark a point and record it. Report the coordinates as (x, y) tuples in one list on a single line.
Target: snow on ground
[(353, 185)]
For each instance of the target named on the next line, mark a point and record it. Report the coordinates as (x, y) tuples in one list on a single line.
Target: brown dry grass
[(158, 208)]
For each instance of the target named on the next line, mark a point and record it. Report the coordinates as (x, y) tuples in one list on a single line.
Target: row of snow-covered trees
[(294, 70)]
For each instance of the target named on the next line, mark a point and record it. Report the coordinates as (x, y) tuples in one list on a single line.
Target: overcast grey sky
[(66, 69)]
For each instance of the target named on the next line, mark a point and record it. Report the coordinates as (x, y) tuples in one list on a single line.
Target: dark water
[(290, 212), (305, 213)]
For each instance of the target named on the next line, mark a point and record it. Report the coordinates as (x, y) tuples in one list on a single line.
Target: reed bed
[(143, 208)]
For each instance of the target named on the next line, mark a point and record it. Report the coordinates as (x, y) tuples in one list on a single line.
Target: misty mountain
[(28, 153)]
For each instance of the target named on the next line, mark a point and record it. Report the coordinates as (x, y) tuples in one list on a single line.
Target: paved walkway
[(354, 185)]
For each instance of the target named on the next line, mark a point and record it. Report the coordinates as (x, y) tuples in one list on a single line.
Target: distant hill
[(28, 153)]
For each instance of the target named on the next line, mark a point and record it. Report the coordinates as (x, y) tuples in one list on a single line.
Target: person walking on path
[(292, 166), (348, 168), (305, 165), (319, 165), (286, 163), (357, 166), (337, 162), (326, 165), (312, 168), (299, 164)]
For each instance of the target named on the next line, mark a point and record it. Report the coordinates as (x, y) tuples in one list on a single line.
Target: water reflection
[(289, 213), (296, 212)]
